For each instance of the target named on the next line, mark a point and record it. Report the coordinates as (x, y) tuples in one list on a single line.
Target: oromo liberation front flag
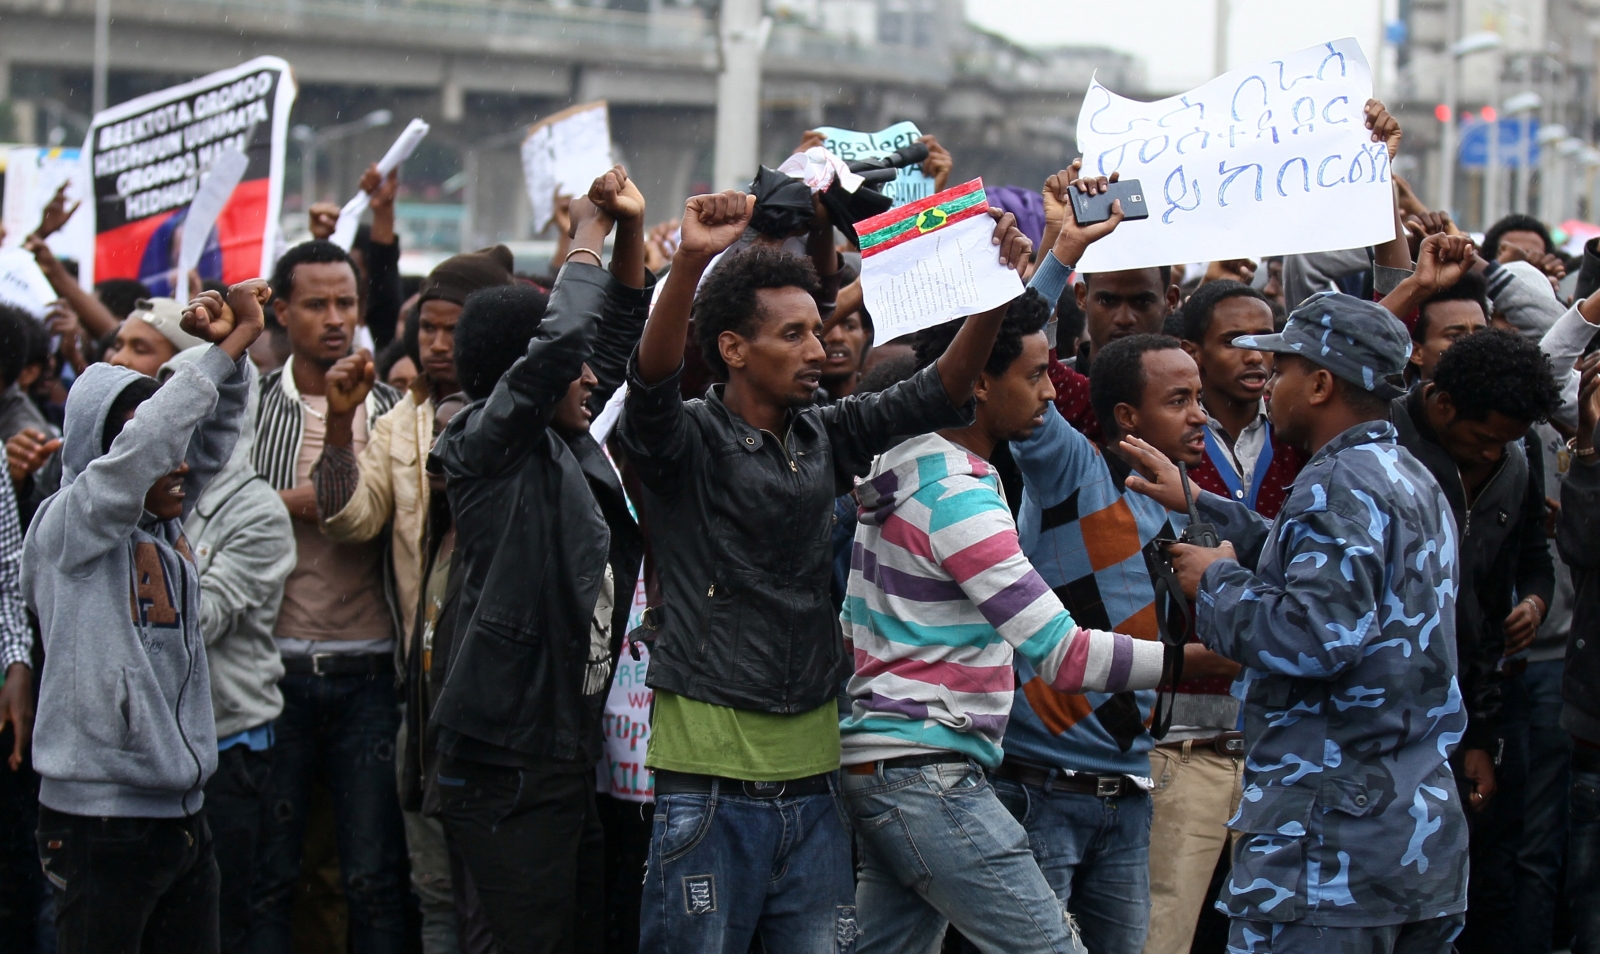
[(147, 156), (932, 261)]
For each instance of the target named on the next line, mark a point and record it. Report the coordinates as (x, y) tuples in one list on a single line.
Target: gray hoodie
[(124, 725), (243, 546)]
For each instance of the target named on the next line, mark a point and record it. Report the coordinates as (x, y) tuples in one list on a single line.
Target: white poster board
[(567, 151), (933, 261), (1272, 158), (22, 284), (33, 174)]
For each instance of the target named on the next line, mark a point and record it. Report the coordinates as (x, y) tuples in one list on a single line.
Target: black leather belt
[(340, 664), (1053, 780), (1228, 744), (686, 783), (909, 761)]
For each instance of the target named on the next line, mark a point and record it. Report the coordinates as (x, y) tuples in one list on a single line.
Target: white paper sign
[(1272, 158), (33, 174), (567, 151), (344, 231), (932, 261), (910, 185), (216, 187), (22, 284)]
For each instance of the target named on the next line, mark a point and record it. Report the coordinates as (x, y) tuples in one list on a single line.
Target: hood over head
[(909, 466), (91, 397)]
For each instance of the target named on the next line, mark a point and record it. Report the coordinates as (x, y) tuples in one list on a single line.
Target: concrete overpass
[(478, 69)]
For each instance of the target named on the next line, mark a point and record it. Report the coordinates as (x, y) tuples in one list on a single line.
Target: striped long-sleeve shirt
[(940, 596)]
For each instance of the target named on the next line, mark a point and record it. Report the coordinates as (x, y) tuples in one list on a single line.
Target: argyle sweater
[(1087, 540)]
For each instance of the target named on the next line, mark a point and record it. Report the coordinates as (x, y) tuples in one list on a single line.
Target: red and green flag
[(923, 217)]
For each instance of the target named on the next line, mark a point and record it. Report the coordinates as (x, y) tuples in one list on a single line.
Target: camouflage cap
[(1359, 341)]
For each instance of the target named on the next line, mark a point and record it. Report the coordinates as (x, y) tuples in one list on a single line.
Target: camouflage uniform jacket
[(1346, 630)]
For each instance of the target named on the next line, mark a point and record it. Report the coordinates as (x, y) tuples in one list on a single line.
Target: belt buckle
[(1233, 746), (764, 789), (1108, 786), (316, 662)]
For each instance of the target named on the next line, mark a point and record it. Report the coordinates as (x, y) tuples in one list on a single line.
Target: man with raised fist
[(125, 735)]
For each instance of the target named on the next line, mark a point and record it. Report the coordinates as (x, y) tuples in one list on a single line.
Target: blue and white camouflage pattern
[(1358, 340), (1346, 629)]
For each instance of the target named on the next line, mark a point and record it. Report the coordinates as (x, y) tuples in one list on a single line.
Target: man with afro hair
[(738, 492), (1467, 426)]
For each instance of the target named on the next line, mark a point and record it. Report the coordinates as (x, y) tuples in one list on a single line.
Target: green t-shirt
[(704, 739)]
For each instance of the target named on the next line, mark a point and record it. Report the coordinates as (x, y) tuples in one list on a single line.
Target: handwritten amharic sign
[(1271, 159)]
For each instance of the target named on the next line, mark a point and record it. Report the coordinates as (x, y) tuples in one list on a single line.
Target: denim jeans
[(130, 884), (726, 867), (233, 812), (1095, 852), (533, 843), (341, 729), (27, 906), (1583, 852), (938, 848), (1543, 846)]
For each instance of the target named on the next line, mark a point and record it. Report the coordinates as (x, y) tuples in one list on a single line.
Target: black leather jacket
[(538, 517), (1578, 539), (1505, 556), (740, 522)]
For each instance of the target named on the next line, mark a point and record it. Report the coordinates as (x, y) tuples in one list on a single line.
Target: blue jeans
[(1543, 846), (1519, 838), (340, 729), (725, 867), (1433, 936), (1583, 853), (1095, 852), (937, 847)]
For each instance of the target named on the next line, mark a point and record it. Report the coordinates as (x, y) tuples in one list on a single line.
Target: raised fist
[(615, 194), (210, 318), (712, 223), (349, 381)]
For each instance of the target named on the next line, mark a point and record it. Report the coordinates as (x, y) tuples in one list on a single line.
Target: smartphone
[(1089, 209)]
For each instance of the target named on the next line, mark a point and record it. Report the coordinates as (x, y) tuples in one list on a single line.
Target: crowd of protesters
[(940, 653)]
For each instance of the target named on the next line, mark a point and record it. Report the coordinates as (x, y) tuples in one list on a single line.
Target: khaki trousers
[(1196, 792)]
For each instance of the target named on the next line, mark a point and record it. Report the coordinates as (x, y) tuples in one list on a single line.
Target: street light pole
[(1446, 192), (743, 33), (102, 52), (312, 140)]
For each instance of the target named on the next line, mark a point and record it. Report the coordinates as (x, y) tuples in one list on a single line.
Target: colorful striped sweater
[(939, 597)]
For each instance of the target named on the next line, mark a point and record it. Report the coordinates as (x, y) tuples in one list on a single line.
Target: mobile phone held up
[(1089, 209)]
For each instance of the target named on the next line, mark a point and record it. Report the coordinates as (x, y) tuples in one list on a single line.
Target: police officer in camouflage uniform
[(1351, 836)]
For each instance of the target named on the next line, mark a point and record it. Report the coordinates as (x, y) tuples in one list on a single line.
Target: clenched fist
[(349, 381), (231, 324)]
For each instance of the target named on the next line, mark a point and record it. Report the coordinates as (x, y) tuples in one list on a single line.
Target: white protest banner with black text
[(1274, 158), (147, 157)]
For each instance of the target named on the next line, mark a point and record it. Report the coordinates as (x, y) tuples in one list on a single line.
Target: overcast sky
[(1175, 37)]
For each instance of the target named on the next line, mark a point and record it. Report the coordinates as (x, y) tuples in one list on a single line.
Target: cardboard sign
[(146, 157), (567, 151), (849, 145), (932, 261), (1274, 158)]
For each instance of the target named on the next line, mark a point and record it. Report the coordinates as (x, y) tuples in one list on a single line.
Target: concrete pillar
[(743, 32)]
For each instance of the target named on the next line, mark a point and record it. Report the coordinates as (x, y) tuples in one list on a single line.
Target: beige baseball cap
[(166, 316)]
